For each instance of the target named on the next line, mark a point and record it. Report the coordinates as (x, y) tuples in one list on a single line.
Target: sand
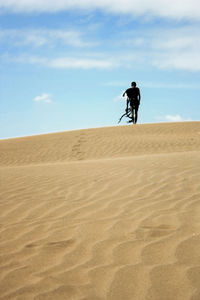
[(107, 213)]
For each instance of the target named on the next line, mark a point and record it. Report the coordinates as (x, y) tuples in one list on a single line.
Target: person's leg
[(136, 114), (132, 116)]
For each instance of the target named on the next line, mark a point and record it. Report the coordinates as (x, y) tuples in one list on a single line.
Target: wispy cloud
[(161, 48), (80, 63), (182, 9), (119, 98), (116, 83), (69, 62), (41, 37), (176, 118), (154, 85), (188, 60), (165, 48), (169, 85), (45, 98)]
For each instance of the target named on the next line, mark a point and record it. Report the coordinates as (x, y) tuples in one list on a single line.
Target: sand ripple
[(119, 228)]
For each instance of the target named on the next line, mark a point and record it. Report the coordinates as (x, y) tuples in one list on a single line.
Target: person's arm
[(127, 101)]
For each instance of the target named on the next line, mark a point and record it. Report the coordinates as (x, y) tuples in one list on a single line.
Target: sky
[(65, 64)]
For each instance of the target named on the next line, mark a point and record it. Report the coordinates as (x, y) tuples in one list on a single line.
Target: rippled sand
[(107, 213)]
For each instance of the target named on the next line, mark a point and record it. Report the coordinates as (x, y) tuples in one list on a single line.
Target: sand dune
[(108, 213)]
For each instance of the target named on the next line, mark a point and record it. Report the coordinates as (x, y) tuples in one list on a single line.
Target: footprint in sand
[(60, 244), (149, 232)]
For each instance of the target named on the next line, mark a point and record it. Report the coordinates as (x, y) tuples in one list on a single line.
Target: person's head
[(133, 84)]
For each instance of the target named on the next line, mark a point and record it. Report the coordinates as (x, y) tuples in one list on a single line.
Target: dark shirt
[(133, 93)]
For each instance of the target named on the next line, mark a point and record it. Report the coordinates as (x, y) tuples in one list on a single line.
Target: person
[(133, 99)]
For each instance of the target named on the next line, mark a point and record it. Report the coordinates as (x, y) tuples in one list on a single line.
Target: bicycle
[(128, 115)]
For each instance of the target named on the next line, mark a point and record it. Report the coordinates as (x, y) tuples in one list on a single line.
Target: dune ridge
[(108, 213), (110, 142)]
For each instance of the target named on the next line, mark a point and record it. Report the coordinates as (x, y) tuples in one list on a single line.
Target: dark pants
[(134, 105)]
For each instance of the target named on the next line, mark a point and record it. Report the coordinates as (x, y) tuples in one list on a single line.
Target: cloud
[(189, 60), (119, 98), (80, 63), (46, 98), (164, 48), (116, 84), (153, 85), (175, 118), (63, 62), (182, 9), (161, 48), (41, 37), (169, 85)]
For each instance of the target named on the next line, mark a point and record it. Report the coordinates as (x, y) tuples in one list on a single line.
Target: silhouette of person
[(133, 99)]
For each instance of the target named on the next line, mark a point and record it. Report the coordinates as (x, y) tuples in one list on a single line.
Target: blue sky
[(65, 64)]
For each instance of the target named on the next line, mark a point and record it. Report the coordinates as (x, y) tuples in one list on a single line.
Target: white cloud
[(175, 118), (165, 48), (64, 62), (119, 98), (164, 8), (153, 85), (189, 60), (41, 37), (162, 48), (46, 98), (80, 63), (168, 85)]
